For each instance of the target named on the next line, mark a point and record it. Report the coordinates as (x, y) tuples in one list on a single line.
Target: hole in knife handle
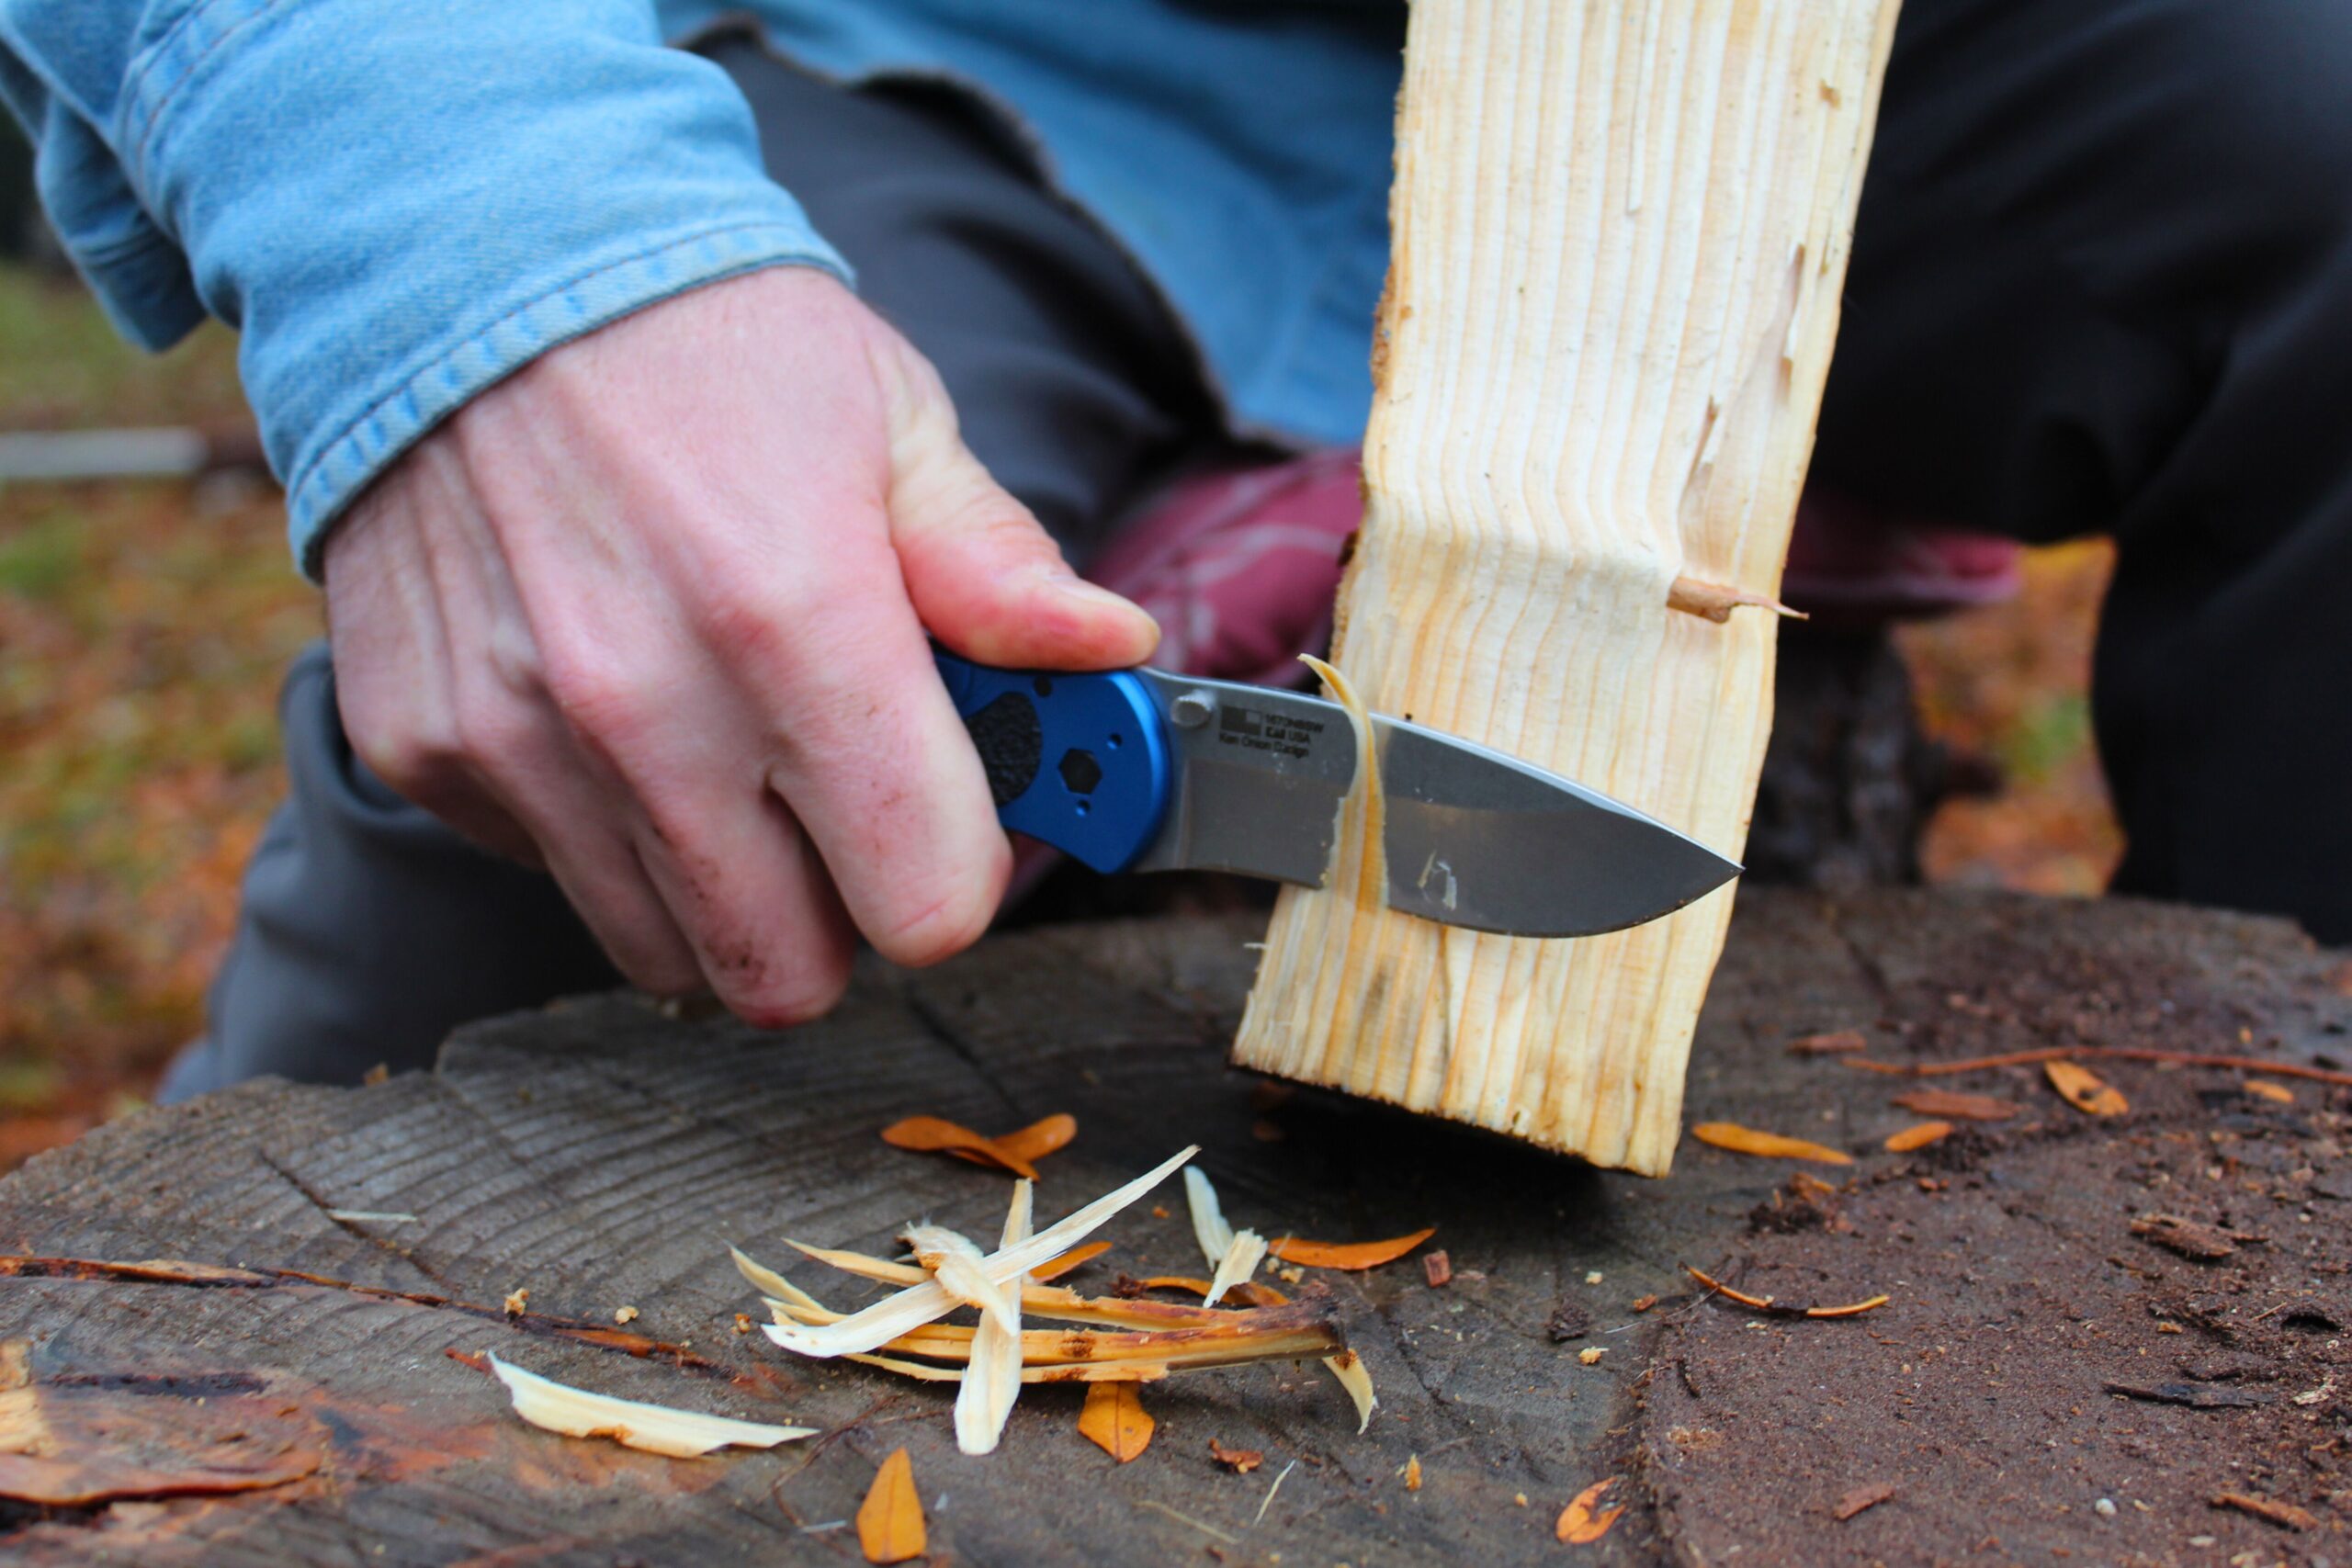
[(1360, 864)]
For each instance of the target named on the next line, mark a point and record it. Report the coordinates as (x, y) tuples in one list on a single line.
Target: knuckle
[(416, 763), (493, 734), (606, 704), (752, 623)]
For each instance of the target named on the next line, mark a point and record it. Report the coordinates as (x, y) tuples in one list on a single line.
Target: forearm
[(398, 201)]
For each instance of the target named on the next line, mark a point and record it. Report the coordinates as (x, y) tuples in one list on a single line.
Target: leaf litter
[(1115, 1420), (2085, 1090), (1017, 1152), (1347, 1254), (1742, 1140), (1583, 1521), (890, 1526)]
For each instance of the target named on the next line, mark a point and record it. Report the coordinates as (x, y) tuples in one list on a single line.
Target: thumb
[(984, 578)]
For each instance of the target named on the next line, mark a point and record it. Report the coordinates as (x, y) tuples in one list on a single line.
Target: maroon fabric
[(1848, 565), (1240, 567)]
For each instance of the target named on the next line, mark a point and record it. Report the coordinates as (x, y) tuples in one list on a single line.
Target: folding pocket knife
[(1138, 770)]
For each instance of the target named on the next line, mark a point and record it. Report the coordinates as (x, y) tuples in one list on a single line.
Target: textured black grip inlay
[(1012, 744)]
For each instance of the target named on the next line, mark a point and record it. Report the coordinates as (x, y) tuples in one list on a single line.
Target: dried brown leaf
[(2283, 1514), (1951, 1105), (2085, 1090), (1579, 1524), (2205, 1244), (889, 1522), (1742, 1140), (1349, 1254), (1861, 1497), (1437, 1268), (1115, 1420), (1829, 1044), (1918, 1136), (1242, 1461)]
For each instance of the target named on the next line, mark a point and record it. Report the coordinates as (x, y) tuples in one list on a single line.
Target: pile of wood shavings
[(1127, 1341)]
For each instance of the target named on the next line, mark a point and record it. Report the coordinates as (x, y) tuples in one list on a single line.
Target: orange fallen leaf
[(1115, 1421), (2086, 1090), (934, 1134), (1055, 1268), (1579, 1525), (1412, 1472), (2265, 1089), (1242, 1461), (889, 1522), (1917, 1136), (1347, 1254), (1038, 1139), (1950, 1105), (1742, 1140)]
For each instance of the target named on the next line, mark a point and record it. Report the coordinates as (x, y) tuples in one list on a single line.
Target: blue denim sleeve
[(396, 201)]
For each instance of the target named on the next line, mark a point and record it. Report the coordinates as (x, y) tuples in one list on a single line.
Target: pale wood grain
[(1620, 231)]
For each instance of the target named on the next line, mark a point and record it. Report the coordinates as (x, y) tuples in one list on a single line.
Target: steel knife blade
[(1139, 769)]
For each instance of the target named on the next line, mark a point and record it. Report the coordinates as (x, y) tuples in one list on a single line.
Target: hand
[(651, 614)]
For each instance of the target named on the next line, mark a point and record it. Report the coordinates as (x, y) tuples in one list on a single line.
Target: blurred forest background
[(144, 626)]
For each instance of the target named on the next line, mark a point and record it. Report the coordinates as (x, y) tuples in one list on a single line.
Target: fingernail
[(1086, 593)]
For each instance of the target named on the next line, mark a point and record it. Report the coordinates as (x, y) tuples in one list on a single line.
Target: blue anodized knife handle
[(1079, 761)]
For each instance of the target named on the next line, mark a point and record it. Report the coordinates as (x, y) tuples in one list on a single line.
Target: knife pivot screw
[(1191, 710)]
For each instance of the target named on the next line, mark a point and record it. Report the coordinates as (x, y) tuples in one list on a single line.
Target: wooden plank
[(1620, 231)]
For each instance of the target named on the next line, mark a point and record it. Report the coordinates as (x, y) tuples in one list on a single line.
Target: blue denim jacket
[(399, 202)]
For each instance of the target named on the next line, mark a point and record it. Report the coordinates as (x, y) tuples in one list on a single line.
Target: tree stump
[(282, 1391)]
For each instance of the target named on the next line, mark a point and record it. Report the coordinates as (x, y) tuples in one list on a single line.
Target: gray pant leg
[(370, 931), (369, 928)]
